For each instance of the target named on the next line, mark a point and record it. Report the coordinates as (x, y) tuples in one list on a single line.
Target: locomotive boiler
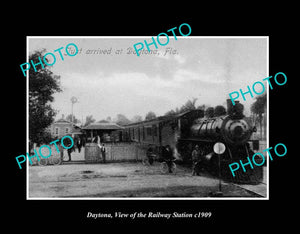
[(230, 129)]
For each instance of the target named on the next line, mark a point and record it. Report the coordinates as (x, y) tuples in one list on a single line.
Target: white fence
[(114, 152)]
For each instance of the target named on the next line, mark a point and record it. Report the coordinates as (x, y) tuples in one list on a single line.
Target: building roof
[(62, 121), (165, 118), (103, 126), (66, 121)]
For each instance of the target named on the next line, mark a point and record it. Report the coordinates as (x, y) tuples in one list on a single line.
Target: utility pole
[(73, 101)]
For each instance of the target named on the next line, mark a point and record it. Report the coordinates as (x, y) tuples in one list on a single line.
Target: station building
[(63, 127), (105, 130)]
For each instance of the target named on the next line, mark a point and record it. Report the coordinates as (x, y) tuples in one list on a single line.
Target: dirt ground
[(119, 180)]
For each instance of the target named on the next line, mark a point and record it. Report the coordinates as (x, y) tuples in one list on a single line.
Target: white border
[(140, 198)]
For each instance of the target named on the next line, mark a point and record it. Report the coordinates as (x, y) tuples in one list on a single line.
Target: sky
[(120, 82)]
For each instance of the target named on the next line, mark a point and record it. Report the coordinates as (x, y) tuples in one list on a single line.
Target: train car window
[(154, 127), (143, 132), (149, 131), (139, 134)]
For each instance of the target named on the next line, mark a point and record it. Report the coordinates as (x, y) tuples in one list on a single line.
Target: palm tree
[(258, 108)]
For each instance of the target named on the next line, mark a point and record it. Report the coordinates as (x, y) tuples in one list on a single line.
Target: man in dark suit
[(167, 155), (79, 144), (68, 143), (103, 153)]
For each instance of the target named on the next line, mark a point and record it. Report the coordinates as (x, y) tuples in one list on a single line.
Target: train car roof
[(103, 126), (164, 118)]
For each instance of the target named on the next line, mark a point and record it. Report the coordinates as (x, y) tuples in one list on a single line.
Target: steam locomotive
[(234, 130), (186, 130)]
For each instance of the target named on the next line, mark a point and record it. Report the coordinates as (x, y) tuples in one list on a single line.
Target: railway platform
[(261, 188)]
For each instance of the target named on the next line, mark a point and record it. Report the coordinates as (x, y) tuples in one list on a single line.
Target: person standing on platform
[(150, 155), (103, 153), (196, 157), (68, 144), (79, 144), (167, 155), (61, 150)]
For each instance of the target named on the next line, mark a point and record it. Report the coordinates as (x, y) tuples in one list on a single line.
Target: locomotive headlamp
[(237, 131)]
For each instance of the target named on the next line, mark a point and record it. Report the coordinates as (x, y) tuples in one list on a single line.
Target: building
[(105, 130), (64, 127)]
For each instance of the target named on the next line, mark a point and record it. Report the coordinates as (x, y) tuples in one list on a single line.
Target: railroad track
[(259, 189)]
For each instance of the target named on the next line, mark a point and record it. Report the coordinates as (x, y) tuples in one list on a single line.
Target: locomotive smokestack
[(230, 106), (235, 111)]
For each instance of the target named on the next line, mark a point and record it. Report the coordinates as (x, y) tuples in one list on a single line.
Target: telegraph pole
[(73, 101)]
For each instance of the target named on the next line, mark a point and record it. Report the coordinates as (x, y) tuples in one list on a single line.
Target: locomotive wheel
[(164, 167), (173, 167), (43, 162), (145, 162), (56, 160)]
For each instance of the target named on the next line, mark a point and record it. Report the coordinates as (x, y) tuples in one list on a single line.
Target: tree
[(219, 110), (150, 115), (75, 120), (122, 119), (201, 107), (170, 113), (42, 85), (108, 119), (209, 112), (136, 119), (88, 120), (258, 108), (103, 121), (189, 105)]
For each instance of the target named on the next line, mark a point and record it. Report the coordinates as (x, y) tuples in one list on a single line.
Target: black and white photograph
[(110, 121)]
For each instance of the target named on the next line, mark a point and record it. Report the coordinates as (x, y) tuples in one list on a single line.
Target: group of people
[(168, 157), (166, 153), (79, 143)]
